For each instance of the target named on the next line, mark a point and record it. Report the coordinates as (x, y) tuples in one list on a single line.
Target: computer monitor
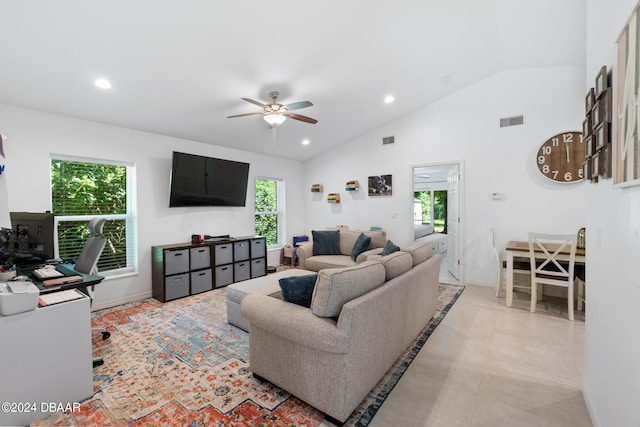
[(33, 235)]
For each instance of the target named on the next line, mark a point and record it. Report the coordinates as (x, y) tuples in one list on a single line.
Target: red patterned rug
[(180, 363)]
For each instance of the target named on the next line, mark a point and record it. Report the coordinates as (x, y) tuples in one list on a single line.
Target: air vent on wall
[(511, 121), (388, 140)]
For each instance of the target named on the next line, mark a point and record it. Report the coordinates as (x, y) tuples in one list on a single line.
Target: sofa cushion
[(337, 286), (326, 242), (320, 262), (389, 248), (396, 264), (348, 240), (361, 245), (298, 289), (419, 251)]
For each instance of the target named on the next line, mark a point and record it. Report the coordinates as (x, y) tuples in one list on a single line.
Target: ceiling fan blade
[(258, 103), (298, 105), (301, 118), (246, 114)]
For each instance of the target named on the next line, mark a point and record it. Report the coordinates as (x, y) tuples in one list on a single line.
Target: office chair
[(87, 263)]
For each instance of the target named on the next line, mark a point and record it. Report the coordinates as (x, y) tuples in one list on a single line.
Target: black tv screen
[(207, 181)]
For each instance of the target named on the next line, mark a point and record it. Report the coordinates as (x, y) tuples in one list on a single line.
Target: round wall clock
[(560, 157)]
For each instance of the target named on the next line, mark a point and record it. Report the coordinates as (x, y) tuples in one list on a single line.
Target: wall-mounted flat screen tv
[(207, 181)]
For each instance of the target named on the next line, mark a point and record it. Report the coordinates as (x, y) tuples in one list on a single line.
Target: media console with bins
[(180, 270)]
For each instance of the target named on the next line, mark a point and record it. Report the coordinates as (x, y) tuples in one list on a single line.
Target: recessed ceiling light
[(305, 142), (103, 84), (389, 99)]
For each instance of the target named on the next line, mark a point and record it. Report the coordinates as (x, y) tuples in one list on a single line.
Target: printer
[(17, 297)]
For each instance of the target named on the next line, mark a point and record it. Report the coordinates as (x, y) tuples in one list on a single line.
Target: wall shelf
[(317, 188), (333, 197), (352, 186)]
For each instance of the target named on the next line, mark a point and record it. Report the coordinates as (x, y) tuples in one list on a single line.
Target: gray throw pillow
[(361, 245), (298, 289), (326, 242), (389, 248)]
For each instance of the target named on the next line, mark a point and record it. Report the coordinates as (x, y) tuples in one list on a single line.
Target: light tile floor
[(489, 365)]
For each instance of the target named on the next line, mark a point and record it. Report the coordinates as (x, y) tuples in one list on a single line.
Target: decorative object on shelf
[(560, 158), (596, 129), (352, 186), (380, 185), (333, 197), (624, 153), (317, 188)]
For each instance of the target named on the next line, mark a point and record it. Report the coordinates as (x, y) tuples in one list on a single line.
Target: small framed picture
[(597, 114), (601, 81), (587, 168), (589, 146), (589, 100), (602, 135), (587, 126), (606, 109), (595, 171), (605, 162)]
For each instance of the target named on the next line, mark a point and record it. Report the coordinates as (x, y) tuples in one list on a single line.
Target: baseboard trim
[(590, 406), (119, 301)]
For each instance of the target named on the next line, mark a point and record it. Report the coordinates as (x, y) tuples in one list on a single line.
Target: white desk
[(520, 249), (45, 357)]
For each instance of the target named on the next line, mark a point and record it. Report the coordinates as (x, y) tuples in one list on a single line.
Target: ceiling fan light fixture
[(274, 118)]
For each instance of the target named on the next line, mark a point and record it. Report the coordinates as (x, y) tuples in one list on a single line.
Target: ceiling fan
[(275, 114)]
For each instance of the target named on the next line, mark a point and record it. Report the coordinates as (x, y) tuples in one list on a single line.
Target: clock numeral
[(567, 137), (546, 150), (541, 160), (555, 174), (580, 173), (555, 142), (546, 169), (568, 176)]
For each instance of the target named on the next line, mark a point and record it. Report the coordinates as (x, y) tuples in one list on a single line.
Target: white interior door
[(453, 222)]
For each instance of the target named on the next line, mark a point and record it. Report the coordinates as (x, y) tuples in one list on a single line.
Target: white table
[(520, 249)]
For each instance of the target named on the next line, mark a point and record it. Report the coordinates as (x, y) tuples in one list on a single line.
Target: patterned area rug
[(181, 364)]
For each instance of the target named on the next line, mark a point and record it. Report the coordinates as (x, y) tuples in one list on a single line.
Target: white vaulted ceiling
[(179, 68)]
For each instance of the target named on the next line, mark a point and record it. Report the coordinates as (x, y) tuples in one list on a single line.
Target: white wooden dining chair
[(552, 258), (519, 267)]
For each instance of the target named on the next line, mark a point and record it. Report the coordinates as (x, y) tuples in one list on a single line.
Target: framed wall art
[(626, 151), (380, 185)]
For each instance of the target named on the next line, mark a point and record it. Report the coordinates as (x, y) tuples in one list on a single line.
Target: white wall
[(465, 126), (612, 376), (33, 136)]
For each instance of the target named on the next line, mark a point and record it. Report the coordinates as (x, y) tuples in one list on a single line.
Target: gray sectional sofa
[(361, 319)]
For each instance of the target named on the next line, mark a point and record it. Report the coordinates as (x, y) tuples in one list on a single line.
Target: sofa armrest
[(303, 252), (364, 256), (294, 323)]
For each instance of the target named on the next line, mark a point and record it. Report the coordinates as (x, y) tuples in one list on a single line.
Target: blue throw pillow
[(361, 245), (389, 248), (326, 242), (298, 289)]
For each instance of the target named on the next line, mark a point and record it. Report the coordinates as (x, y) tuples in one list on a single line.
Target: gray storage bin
[(176, 261), (258, 248), (201, 281), (200, 257), (224, 254), (241, 271), (176, 286), (258, 267), (240, 251), (224, 275)]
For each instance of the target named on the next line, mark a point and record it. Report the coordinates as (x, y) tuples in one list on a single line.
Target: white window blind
[(82, 189)]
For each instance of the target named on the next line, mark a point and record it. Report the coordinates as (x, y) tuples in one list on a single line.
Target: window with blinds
[(83, 189)]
